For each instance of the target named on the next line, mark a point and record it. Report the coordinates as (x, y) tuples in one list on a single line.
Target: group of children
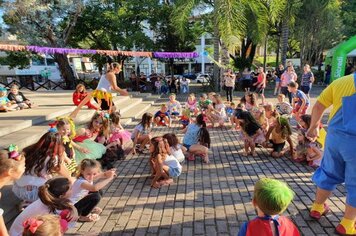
[(56, 175), (52, 204), (13, 101)]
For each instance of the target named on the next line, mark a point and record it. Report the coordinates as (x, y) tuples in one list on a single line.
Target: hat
[(2, 89)]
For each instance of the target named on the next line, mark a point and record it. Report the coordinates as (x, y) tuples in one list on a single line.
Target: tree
[(167, 38), (118, 25), (318, 28), (348, 16), (229, 23), (45, 23), (288, 20)]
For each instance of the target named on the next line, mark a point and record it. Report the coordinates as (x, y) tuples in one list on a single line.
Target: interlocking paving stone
[(207, 199)]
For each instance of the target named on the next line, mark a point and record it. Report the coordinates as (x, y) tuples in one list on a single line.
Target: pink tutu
[(123, 135)]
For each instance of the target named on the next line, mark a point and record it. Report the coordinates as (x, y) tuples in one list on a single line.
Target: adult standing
[(153, 78), (142, 83), (185, 85), (246, 80), (229, 82), (288, 76), (261, 84), (172, 85), (339, 160), (307, 80), (102, 93), (134, 82), (254, 75)]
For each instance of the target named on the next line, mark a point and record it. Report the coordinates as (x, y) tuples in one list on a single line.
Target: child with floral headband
[(12, 166), (43, 160), (271, 198), (93, 138)]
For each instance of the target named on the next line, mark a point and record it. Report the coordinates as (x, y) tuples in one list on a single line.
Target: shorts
[(302, 112), (174, 172), (187, 146), (306, 89), (104, 104), (260, 90), (277, 147), (338, 165), (175, 113)]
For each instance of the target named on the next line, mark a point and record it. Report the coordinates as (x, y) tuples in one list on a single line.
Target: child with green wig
[(271, 198), (280, 132)]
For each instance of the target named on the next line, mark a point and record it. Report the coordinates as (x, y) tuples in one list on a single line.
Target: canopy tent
[(336, 57)]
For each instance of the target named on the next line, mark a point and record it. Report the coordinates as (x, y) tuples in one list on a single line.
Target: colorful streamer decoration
[(9, 47), (50, 50), (175, 54)]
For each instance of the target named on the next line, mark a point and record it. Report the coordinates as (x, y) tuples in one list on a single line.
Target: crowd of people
[(59, 178), (159, 83)]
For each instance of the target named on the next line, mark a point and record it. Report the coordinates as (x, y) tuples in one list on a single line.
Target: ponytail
[(204, 137), (51, 194)]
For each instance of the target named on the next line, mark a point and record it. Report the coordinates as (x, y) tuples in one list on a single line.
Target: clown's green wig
[(272, 196)]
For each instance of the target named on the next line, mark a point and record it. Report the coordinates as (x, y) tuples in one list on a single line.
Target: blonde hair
[(50, 226), (80, 86)]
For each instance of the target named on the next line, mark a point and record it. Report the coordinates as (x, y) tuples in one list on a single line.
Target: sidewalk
[(207, 199)]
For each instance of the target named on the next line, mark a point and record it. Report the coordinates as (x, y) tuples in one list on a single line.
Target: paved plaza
[(207, 199)]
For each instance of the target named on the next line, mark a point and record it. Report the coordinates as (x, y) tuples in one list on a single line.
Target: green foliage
[(348, 16), (318, 28), (20, 60)]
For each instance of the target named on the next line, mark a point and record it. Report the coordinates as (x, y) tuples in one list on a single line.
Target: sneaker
[(316, 215)]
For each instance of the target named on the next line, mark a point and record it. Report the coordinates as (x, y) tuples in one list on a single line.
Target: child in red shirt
[(271, 198), (79, 95)]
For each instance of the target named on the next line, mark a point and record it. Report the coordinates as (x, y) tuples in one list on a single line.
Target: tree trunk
[(66, 70), (265, 54), (216, 71), (285, 35), (225, 61), (278, 45)]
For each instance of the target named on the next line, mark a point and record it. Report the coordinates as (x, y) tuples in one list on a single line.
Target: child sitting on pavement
[(252, 130), (197, 139), (16, 97), (176, 149), (281, 132), (162, 117), (271, 198), (174, 106), (283, 107), (5, 103), (164, 166)]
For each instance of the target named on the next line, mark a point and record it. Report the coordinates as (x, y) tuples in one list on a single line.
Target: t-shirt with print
[(77, 191), (300, 96), (306, 78), (174, 106), (191, 136)]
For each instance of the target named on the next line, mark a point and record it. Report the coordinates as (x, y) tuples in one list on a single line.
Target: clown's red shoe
[(317, 214)]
